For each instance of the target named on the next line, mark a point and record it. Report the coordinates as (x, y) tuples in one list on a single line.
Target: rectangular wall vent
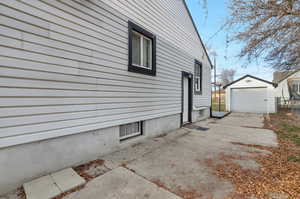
[(131, 130)]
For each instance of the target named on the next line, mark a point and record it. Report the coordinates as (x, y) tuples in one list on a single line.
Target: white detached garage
[(250, 94)]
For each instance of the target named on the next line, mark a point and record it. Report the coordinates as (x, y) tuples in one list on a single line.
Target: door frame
[(190, 95)]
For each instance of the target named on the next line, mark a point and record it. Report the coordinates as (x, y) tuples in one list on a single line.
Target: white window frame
[(139, 133), (198, 86), (142, 51), (298, 87)]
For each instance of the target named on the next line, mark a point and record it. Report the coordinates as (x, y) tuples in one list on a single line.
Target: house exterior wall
[(64, 68), (64, 76), (249, 82), (41, 158), (178, 31), (282, 90)]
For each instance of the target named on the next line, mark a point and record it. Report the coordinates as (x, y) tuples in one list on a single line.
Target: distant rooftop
[(279, 76)]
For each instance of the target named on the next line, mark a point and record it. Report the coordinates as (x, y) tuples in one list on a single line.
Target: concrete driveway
[(175, 165)]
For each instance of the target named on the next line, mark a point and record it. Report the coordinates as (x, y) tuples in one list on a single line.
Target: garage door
[(249, 100)]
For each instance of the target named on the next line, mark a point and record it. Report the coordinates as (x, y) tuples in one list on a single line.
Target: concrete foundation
[(198, 115), (23, 163)]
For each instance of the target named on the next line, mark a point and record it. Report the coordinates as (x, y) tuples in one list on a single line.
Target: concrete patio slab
[(131, 153), (243, 120), (181, 164), (178, 163), (182, 169), (139, 150), (67, 179), (121, 183), (42, 188), (244, 135)]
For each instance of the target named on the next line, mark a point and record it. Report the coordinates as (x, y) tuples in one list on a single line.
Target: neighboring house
[(251, 95), (79, 78), (288, 85)]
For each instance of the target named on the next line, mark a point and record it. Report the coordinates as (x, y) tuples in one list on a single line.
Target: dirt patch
[(184, 193), (161, 135), (21, 193), (252, 127), (126, 167), (280, 171), (160, 184), (253, 145), (188, 193), (88, 171), (83, 170), (136, 145)]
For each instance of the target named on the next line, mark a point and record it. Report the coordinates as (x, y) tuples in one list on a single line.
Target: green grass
[(290, 128), (294, 159), (291, 132), (215, 107)]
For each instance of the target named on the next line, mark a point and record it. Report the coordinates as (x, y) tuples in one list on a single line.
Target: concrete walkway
[(122, 184), (174, 166)]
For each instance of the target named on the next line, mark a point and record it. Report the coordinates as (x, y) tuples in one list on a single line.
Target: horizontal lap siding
[(63, 70), (177, 28)]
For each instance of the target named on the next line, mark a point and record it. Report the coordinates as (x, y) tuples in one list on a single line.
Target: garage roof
[(259, 79)]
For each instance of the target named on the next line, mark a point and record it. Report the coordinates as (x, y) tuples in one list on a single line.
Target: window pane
[(136, 49), (197, 83), (147, 53), (197, 69), (295, 87)]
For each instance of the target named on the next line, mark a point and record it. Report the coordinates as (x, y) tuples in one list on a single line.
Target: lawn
[(287, 127), (215, 103), (215, 107)]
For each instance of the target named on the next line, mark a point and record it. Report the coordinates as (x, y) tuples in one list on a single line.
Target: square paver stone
[(41, 188), (67, 179)]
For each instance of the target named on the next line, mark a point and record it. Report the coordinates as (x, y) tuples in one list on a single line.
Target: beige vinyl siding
[(63, 70)]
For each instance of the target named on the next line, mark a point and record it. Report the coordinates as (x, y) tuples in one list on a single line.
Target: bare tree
[(227, 76), (267, 29)]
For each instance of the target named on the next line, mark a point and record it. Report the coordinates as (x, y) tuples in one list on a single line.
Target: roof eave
[(259, 79), (190, 15)]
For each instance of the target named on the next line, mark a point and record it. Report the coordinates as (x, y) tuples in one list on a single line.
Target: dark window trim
[(133, 27), (190, 91), (201, 78)]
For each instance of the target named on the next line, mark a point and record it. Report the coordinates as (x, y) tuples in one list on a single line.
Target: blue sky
[(217, 13)]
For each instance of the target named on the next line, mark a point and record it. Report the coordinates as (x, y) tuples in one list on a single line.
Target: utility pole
[(215, 76), (220, 97)]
